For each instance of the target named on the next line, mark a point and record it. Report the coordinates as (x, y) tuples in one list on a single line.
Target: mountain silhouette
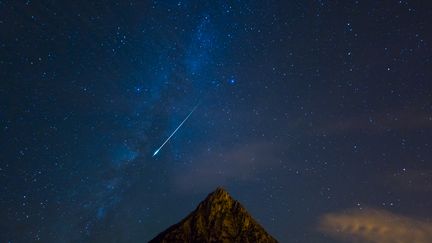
[(219, 218)]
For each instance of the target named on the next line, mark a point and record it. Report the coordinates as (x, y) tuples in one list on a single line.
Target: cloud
[(380, 122), (216, 168), (375, 226), (411, 180)]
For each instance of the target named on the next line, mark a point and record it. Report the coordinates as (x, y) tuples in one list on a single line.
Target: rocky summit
[(219, 218)]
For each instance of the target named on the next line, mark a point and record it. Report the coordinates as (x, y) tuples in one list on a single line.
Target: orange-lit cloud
[(375, 226)]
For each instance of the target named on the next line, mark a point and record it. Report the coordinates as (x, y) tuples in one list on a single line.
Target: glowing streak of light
[(172, 134)]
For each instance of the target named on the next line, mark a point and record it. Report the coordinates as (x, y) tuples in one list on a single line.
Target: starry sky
[(315, 115)]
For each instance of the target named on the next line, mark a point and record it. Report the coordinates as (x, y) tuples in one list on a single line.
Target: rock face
[(219, 218)]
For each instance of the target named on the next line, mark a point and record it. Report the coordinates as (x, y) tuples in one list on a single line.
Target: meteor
[(157, 150)]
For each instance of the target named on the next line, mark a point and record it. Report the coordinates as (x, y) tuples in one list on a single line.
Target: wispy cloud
[(380, 122), (410, 180), (375, 226), (240, 163)]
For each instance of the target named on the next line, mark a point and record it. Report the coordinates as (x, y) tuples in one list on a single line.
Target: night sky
[(315, 115)]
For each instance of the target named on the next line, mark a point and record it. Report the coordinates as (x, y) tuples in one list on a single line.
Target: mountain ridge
[(218, 218)]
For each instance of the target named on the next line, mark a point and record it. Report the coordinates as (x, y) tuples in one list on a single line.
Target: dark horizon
[(315, 115)]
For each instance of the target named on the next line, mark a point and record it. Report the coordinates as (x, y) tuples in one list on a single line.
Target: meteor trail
[(157, 150)]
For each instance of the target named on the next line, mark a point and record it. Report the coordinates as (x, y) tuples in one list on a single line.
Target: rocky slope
[(219, 218)]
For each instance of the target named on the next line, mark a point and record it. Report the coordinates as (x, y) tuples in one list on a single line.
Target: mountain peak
[(218, 218), (219, 190), (220, 194)]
